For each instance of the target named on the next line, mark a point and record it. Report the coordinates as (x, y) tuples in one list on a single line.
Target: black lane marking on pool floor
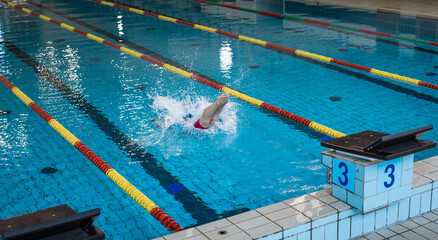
[(312, 133), (305, 129), (382, 40), (192, 204), (344, 70), (371, 79), (375, 38), (124, 41)]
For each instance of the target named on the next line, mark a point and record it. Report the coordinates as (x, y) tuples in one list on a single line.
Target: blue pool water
[(112, 101)]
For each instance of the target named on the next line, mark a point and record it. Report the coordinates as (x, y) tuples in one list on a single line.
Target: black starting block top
[(60, 222), (382, 145)]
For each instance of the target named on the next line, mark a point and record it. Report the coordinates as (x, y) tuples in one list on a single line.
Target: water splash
[(177, 116)]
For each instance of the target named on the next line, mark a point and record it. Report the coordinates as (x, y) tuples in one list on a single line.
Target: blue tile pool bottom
[(199, 211), (121, 216), (194, 166)]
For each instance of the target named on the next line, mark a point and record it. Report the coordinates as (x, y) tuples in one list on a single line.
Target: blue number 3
[(391, 175), (344, 173)]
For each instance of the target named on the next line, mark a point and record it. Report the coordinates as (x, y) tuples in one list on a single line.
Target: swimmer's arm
[(215, 116), (207, 115)]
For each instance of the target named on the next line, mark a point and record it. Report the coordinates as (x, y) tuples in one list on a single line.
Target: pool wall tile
[(407, 177), (356, 225), (360, 172), (339, 193), (370, 173), (359, 187), (414, 206), (327, 161), (434, 199), (348, 213), (392, 213), (369, 221), (304, 236), (381, 215), (399, 193), (294, 237), (344, 228), (370, 188), (319, 215), (375, 201), (354, 200), (318, 233), (403, 209), (421, 189), (324, 221), (425, 202), (331, 230), (407, 161)]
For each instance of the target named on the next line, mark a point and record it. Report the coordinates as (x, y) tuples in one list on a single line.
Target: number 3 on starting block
[(343, 174), (388, 175)]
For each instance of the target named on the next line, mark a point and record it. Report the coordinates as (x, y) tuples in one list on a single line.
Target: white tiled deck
[(318, 215)]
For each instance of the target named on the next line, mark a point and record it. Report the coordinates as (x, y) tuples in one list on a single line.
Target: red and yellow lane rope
[(277, 47), (126, 186), (300, 20), (296, 118)]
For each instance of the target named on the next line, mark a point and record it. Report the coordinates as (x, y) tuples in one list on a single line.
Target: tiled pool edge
[(319, 215)]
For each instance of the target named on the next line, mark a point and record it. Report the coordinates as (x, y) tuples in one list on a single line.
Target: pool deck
[(418, 228), (319, 215), (417, 8)]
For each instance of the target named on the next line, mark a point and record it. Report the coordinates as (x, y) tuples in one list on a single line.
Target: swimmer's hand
[(223, 98)]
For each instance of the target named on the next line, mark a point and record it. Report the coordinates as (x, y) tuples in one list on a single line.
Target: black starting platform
[(60, 222), (382, 146)]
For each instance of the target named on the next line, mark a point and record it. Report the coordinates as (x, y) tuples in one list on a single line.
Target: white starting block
[(370, 170)]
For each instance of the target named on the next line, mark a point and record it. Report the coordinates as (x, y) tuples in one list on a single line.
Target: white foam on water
[(172, 117)]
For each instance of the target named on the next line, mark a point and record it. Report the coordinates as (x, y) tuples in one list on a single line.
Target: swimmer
[(211, 113)]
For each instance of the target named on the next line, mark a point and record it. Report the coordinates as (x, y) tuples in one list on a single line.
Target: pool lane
[(147, 160), (195, 206), (311, 124), (274, 46), (122, 40), (346, 71), (110, 172), (305, 20)]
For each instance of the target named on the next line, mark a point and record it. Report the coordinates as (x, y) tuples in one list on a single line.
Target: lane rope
[(235, 93), (277, 47), (124, 184), (300, 20)]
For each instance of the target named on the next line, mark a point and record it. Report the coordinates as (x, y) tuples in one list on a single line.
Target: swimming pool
[(110, 100)]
